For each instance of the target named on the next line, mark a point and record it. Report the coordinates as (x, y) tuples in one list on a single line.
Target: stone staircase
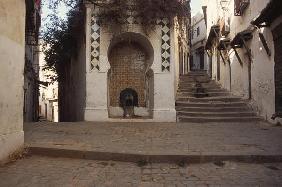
[(200, 100)]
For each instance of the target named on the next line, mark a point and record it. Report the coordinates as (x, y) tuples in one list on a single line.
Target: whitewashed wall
[(97, 81), (12, 41), (262, 66), (198, 41)]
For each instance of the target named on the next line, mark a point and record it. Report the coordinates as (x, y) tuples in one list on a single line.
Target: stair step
[(216, 114), (217, 119), (208, 94), (212, 109), (210, 103), (183, 90), (203, 85), (209, 99), (213, 104)]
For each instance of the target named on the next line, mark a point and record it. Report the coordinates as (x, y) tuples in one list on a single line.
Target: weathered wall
[(97, 81), (12, 40), (31, 87), (198, 41), (262, 66), (72, 86)]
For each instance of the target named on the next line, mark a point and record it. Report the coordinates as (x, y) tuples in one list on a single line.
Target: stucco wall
[(97, 81), (12, 40), (262, 66), (72, 86), (198, 41)]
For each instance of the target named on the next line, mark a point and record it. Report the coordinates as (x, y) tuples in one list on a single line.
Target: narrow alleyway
[(202, 100)]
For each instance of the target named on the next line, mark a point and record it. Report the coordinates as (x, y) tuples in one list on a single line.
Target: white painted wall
[(96, 81), (262, 66), (12, 42), (198, 41)]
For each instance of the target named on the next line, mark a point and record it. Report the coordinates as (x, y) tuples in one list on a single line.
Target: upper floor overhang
[(269, 14)]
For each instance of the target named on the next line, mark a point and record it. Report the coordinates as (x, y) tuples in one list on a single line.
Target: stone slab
[(157, 142)]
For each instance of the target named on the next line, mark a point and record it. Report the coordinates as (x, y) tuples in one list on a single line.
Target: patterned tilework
[(165, 27), (95, 43), (132, 18)]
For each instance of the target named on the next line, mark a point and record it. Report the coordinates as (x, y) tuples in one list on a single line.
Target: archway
[(130, 56)]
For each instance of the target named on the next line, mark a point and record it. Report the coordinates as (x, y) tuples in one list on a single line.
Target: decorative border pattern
[(166, 46), (132, 18), (95, 43)]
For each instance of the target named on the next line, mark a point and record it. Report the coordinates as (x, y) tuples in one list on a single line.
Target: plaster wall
[(262, 97), (198, 21), (198, 41), (97, 81), (12, 42), (72, 88)]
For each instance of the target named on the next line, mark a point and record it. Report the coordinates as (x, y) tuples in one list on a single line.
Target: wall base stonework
[(138, 112), (10, 143), (102, 115)]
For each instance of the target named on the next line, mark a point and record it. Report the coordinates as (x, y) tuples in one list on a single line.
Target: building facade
[(244, 54), (198, 40), (124, 72), (12, 47), (48, 93), (31, 71)]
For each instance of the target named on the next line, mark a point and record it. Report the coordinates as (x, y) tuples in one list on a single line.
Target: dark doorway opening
[(202, 59), (218, 66), (277, 36)]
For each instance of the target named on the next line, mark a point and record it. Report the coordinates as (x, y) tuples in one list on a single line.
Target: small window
[(198, 31)]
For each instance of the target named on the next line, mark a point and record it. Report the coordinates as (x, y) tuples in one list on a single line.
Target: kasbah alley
[(140, 93)]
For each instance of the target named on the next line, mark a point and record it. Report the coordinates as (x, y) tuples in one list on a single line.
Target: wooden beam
[(264, 43), (222, 57), (249, 53), (238, 57)]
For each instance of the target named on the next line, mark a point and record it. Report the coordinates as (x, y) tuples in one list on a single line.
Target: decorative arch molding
[(134, 37)]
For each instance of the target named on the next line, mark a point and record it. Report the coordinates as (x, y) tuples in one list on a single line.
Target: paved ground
[(159, 139), (44, 171)]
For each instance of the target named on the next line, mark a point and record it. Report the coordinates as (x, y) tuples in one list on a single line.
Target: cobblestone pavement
[(43, 171), (157, 138)]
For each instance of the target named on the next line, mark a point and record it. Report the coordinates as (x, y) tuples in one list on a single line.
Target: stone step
[(190, 84), (206, 90), (222, 99), (193, 78), (211, 104), (213, 109), (216, 114), (217, 119), (195, 81), (184, 87), (197, 73), (207, 94)]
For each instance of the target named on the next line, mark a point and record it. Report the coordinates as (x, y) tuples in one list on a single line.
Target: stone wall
[(12, 42)]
